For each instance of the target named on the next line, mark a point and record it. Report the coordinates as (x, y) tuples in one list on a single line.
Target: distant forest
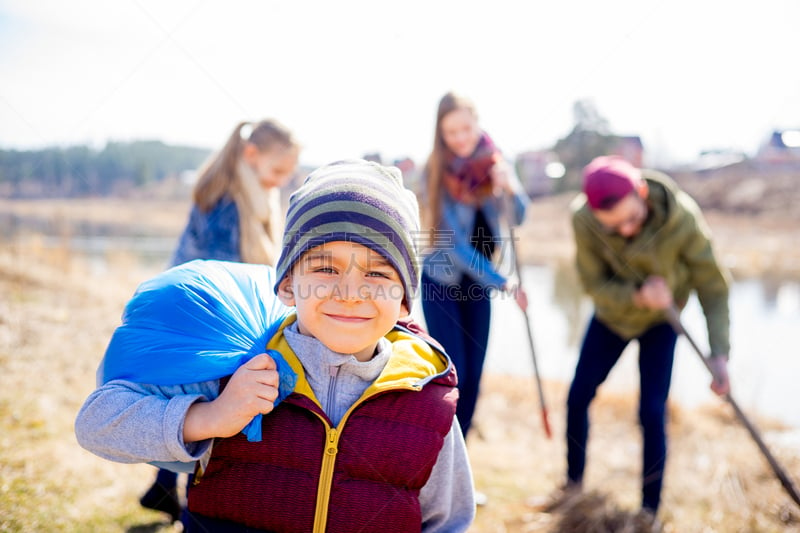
[(82, 171)]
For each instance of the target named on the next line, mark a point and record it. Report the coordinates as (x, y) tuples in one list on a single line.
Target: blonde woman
[(466, 177)]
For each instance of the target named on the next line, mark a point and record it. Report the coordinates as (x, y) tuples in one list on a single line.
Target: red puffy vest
[(306, 476)]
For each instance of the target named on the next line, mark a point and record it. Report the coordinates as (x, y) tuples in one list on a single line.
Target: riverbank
[(58, 311)]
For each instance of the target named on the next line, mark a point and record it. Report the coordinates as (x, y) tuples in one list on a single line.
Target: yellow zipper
[(328, 463), (325, 480)]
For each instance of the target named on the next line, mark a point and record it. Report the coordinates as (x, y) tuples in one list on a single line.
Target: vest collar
[(411, 364)]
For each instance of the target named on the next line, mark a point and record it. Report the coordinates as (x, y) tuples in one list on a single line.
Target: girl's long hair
[(437, 161), (218, 173)]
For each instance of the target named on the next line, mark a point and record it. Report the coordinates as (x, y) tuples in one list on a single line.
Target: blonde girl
[(236, 214)]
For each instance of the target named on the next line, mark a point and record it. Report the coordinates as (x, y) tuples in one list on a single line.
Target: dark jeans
[(167, 478), (600, 351), (458, 317)]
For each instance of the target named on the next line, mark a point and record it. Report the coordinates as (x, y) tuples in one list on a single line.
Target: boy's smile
[(347, 296)]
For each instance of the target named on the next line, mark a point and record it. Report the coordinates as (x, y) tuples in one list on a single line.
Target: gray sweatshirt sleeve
[(136, 423), (447, 500)]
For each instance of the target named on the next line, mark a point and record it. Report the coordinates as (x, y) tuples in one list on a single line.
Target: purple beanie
[(608, 179)]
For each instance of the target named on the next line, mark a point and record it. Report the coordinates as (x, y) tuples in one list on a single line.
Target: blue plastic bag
[(196, 322)]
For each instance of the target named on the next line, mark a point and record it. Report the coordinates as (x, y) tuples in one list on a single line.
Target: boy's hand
[(252, 390)]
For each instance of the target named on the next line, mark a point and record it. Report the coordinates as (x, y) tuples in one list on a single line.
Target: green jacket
[(674, 243)]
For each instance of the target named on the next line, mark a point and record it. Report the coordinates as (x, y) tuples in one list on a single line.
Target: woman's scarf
[(468, 179), (259, 217)]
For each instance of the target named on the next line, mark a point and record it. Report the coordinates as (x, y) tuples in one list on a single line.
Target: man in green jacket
[(642, 246)]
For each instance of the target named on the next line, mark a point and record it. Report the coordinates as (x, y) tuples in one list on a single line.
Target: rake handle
[(542, 403), (674, 319)]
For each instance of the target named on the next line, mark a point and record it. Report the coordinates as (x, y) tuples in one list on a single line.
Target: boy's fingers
[(270, 394), (261, 361)]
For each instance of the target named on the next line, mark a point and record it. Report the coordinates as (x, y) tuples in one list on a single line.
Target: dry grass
[(55, 321), (166, 216), (716, 479), (57, 313), (56, 317)]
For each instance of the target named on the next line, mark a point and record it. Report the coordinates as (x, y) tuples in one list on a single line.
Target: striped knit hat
[(357, 201)]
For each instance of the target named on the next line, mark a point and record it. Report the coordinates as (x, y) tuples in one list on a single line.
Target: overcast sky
[(356, 77)]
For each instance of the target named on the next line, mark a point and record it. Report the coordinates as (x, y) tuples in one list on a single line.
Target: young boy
[(368, 439)]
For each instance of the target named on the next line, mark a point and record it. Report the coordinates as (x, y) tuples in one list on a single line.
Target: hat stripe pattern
[(355, 201), (336, 218)]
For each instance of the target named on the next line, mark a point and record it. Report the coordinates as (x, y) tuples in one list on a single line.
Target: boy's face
[(347, 296)]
